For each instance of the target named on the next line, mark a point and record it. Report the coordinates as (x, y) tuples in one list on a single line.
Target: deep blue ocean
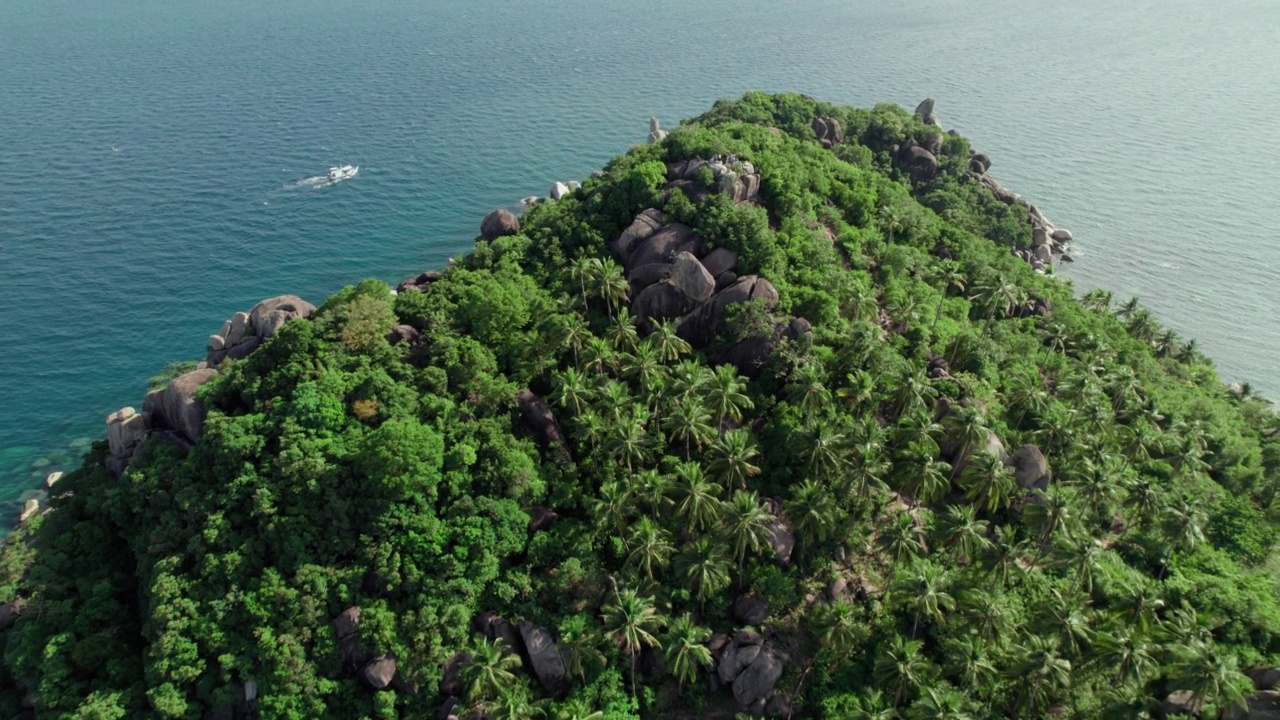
[(154, 153)]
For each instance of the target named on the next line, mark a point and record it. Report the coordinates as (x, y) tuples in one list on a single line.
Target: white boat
[(346, 172)]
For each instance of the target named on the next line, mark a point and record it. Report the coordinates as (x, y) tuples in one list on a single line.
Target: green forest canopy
[(340, 470)]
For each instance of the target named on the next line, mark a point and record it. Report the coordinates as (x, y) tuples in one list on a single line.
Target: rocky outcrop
[(177, 408), (1261, 705), (244, 332), (1180, 703), (10, 612), (918, 161), (126, 430), (52, 478), (730, 175), (656, 133), (1030, 468), (539, 420), (30, 509), (347, 628), (496, 628), (378, 673), (558, 191), (1263, 677), (749, 610), (828, 131), (499, 223), (756, 681), (924, 113), (420, 282), (781, 538), (644, 226), (543, 658), (684, 283)]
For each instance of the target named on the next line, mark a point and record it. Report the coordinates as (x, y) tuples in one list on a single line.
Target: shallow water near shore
[(158, 154)]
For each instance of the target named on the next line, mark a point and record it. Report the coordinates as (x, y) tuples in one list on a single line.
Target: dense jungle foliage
[(338, 469)]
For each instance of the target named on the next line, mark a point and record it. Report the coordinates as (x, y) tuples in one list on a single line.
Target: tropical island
[(782, 414)]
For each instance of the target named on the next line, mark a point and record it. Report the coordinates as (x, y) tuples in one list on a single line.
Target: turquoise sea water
[(151, 152)]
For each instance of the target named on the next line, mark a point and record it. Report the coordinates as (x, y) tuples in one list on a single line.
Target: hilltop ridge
[(782, 413)]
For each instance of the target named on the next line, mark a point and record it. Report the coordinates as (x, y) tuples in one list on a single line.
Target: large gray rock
[(379, 672), (728, 667), (541, 422), (559, 190), (747, 654), (719, 261), (757, 680), (656, 133), (10, 612), (934, 143), (646, 275), (1263, 677), (52, 478), (642, 227), (781, 539), (664, 245), (924, 111), (347, 623), (544, 658), (29, 510), (1181, 702), (271, 314), (1062, 235), (126, 429), (451, 680), (691, 278), (236, 328), (750, 611), (1262, 705), (499, 223), (979, 163), (661, 301), (180, 409), (828, 131), (921, 163), (1030, 468)]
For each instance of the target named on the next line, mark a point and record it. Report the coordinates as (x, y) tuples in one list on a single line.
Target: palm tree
[(914, 392), (1084, 559), (812, 511), (490, 672), (998, 299), (645, 366), (571, 331), (590, 427), (631, 621), (904, 539), (807, 390), (669, 345), (690, 423), (1183, 529), (697, 501), (610, 283), (726, 396), (583, 270), (629, 442), (746, 525), (858, 392), (986, 611), (572, 391), (704, 567), (689, 377), (684, 650), (1138, 604), (611, 507), (961, 530), (925, 479), (987, 483), (1039, 673), (1005, 555), (868, 469), (967, 425), (650, 547), (1097, 300), (577, 709), (1052, 513), (1143, 500), (826, 450), (926, 585), (838, 630), (622, 331), (1127, 651), (1128, 308), (1061, 617), (732, 457), (949, 275), (1213, 677), (515, 704), (941, 702), (974, 668), (599, 355), (900, 669), (580, 645)]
